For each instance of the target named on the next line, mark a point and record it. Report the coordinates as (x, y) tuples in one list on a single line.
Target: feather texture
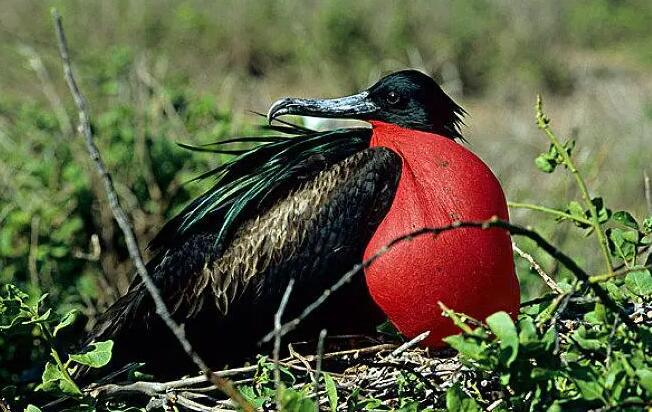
[(300, 207)]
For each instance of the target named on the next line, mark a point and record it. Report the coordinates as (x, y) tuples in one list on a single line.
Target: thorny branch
[(123, 222), (494, 222)]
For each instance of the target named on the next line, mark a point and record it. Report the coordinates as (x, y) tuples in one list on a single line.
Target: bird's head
[(406, 98)]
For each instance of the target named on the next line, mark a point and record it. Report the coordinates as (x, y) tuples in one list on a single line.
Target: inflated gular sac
[(470, 270)]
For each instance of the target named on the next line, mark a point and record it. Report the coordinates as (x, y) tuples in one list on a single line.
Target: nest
[(386, 373)]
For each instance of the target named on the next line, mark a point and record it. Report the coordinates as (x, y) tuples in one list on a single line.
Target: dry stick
[(158, 388), (494, 222), (537, 268), (320, 357), (409, 344), (123, 222), (278, 335)]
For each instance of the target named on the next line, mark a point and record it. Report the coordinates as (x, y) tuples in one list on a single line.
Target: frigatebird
[(308, 205)]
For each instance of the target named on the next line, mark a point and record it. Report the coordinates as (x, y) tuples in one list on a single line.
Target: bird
[(307, 206)]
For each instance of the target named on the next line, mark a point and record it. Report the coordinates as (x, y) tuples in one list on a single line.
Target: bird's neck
[(401, 139), (426, 156)]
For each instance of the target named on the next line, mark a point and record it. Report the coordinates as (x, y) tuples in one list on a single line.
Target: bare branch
[(278, 335), (123, 222), (410, 344), (537, 268), (320, 357)]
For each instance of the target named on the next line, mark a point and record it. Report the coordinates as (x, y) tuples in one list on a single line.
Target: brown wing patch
[(270, 237)]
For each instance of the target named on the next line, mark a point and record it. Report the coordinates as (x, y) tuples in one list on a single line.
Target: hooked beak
[(357, 106)]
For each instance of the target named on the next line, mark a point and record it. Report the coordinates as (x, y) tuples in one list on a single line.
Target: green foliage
[(458, 401), (21, 315), (331, 392), (56, 233)]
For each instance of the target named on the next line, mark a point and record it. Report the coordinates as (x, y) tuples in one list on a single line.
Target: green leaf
[(615, 293), (555, 407), (40, 319), (625, 218), (387, 328), (588, 383), (597, 315), (32, 408), (331, 392), (647, 225), (528, 332), (296, 401), (470, 348), (645, 379), (252, 396), (622, 242), (639, 282), (66, 321), (545, 164), (458, 401), (99, 356), (549, 338), (68, 387), (603, 213), (50, 377), (591, 390), (575, 209), (502, 326), (54, 378), (586, 343)]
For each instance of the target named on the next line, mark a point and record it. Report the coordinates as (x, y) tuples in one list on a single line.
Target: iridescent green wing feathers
[(257, 176)]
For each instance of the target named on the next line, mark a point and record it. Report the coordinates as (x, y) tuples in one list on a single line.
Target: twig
[(320, 357), (123, 222), (494, 222), (558, 313), (620, 272), (537, 268), (185, 386), (555, 212), (418, 375), (410, 344), (543, 122), (277, 332)]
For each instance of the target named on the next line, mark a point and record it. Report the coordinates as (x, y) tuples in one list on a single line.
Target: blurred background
[(160, 72)]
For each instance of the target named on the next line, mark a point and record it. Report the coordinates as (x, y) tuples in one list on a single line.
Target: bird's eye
[(392, 98)]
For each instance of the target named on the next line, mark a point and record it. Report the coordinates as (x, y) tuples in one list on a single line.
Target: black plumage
[(311, 223)]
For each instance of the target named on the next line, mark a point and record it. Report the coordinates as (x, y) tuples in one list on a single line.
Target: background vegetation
[(158, 72)]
